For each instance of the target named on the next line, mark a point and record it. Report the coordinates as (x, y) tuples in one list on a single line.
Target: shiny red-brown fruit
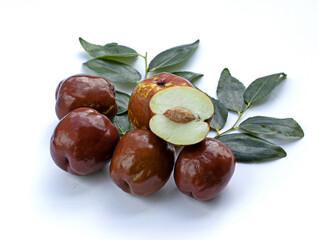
[(139, 112), (83, 141), (203, 170), (142, 163), (85, 91)]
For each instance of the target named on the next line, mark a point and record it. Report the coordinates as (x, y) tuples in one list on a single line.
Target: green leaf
[(190, 76), (220, 115), (248, 148), (108, 51), (287, 127), (114, 71), (230, 92), (122, 124), (122, 100), (261, 87), (172, 56)]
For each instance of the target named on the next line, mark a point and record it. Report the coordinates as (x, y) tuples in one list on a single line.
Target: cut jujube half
[(181, 115)]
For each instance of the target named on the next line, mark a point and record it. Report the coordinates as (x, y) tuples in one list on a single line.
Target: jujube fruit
[(203, 170), (83, 141), (181, 115), (142, 162), (139, 112), (85, 91)]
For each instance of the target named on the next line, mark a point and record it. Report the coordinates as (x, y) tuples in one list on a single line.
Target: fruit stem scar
[(179, 115)]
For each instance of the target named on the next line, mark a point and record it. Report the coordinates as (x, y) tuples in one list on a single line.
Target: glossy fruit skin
[(204, 169), (139, 112), (83, 141), (142, 163), (85, 91)]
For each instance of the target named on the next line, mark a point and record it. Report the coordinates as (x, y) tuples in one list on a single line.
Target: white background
[(39, 48)]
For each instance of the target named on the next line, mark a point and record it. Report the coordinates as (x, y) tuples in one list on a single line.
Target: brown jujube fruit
[(83, 141), (203, 170), (139, 112), (142, 163), (85, 91)]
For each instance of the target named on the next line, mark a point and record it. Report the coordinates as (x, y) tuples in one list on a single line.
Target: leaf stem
[(234, 127), (217, 131), (146, 64)]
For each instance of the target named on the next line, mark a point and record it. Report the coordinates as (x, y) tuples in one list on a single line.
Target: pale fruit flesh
[(193, 102), (179, 133), (139, 112)]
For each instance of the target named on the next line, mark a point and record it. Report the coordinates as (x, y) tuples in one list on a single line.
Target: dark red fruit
[(85, 91), (204, 169), (83, 141), (142, 162)]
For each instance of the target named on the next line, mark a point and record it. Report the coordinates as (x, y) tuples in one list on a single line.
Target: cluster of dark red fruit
[(164, 111)]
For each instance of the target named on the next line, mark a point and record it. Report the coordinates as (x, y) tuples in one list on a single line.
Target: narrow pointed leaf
[(122, 100), (191, 76), (108, 51), (114, 71), (230, 92), (173, 56), (122, 124), (220, 115), (261, 87), (286, 127), (248, 148)]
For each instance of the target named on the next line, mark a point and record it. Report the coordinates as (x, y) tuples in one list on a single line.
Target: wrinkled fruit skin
[(139, 112), (142, 163), (85, 91), (204, 169), (83, 141)]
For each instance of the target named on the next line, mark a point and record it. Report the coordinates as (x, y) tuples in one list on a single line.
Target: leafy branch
[(234, 126), (109, 60), (249, 145)]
